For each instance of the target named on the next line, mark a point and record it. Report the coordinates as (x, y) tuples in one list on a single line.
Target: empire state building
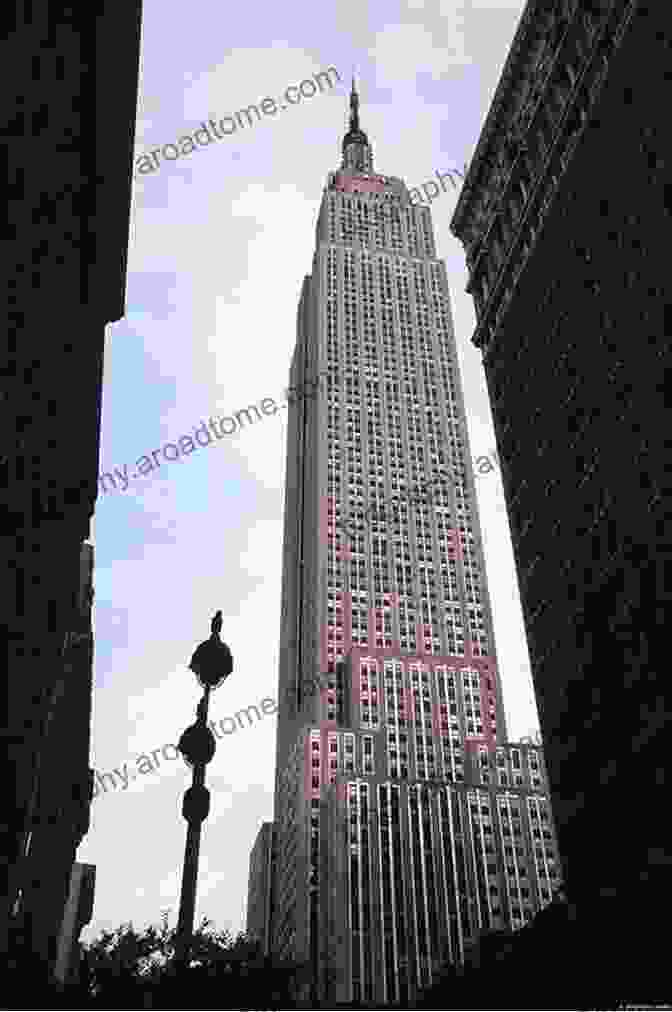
[(405, 825)]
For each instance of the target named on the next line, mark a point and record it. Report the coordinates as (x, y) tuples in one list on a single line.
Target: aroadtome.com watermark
[(187, 444), (144, 763), (230, 124)]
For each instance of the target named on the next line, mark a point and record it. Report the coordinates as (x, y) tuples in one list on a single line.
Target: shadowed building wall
[(72, 87), (61, 816), (564, 216)]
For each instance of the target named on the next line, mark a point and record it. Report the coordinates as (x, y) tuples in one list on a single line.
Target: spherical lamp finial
[(212, 661)]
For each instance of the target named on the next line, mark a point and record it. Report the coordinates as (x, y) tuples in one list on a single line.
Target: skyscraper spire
[(354, 107), (357, 153)]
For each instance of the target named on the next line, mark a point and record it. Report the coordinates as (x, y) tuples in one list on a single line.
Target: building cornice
[(522, 156), (492, 125)]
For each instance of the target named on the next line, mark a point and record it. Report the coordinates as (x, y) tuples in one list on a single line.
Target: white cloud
[(434, 52)]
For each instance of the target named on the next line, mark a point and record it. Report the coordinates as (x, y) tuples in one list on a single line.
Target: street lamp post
[(211, 663)]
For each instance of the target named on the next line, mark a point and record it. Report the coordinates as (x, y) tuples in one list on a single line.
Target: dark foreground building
[(71, 96), (564, 214), (60, 818)]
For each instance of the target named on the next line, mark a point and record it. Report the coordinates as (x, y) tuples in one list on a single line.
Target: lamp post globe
[(212, 661), (197, 744)]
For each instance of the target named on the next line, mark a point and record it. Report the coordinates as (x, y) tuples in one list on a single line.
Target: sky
[(220, 241)]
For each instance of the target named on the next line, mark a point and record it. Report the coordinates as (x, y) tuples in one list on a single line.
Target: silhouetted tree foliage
[(130, 969), (566, 958)]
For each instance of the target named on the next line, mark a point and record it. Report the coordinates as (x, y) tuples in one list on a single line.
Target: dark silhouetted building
[(77, 914), (71, 95), (61, 815), (564, 215), (260, 886)]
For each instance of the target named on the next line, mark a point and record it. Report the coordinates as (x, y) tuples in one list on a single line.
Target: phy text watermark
[(188, 444), (144, 763)]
